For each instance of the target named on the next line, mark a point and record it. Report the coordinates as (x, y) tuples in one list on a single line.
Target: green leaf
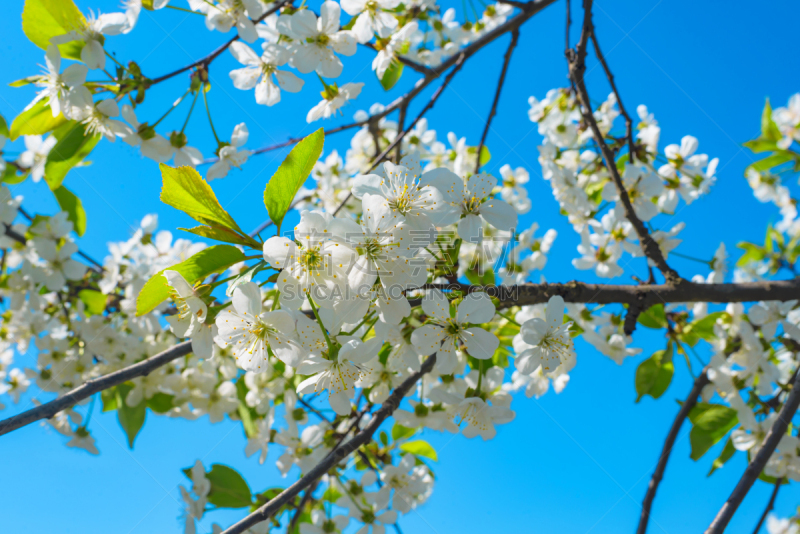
[(130, 418), (710, 424), (704, 328), (653, 317), (24, 81), (727, 454), (36, 119), (401, 432), (246, 414), (654, 375), (184, 189), (777, 158), (10, 176), (761, 145), (222, 234), (72, 147), (4, 128), (95, 301), (207, 261), (293, 172), (228, 488), (420, 447), (73, 206), (769, 130), (160, 402), (109, 399), (485, 155), (392, 74), (44, 19), (752, 253)]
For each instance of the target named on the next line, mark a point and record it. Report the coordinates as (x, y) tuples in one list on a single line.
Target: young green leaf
[(420, 447), (292, 173), (228, 488), (769, 130), (70, 203), (72, 147), (727, 453), (45, 19), (207, 261), (131, 419), (653, 317), (710, 423), (183, 188), (36, 119), (654, 375), (95, 301), (392, 75), (3, 127)]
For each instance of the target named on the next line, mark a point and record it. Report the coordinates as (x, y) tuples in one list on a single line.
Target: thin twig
[(308, 494), (577, 68), (506, 60), (770, 505), (95, 385), (337, 455), (658, 474), (610, 76), (205, 61), (754, 469)]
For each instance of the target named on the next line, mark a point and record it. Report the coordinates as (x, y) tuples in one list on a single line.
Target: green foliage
[(36, 119), (45, 19), (420, 448), (184, 189), (653, 317), (392, 74), (228, 488), (160, 402), (95, 301), (290, 176), (247, 414), (71, 149), (726, 454), (400, 432), (4, 128), (710, 423), (654, 375), (131, 419), (204, 263), (70, 203)]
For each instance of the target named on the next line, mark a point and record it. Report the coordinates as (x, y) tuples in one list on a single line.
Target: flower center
[(402, 203), (311, 259)]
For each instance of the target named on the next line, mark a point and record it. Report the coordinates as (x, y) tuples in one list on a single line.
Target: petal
[(280, 252), (427, 339), (436, 305), (499, 214), (247, 299), (470, 228), (476, 308), (480, 343), (244, 54)]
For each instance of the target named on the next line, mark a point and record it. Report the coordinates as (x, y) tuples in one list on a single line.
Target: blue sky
[(577, 462)]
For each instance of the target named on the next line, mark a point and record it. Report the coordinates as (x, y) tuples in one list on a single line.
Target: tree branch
[(577, 68), (658, 474), (337, 455), (500, 83), (528, 10), (89, 388), (755, 467), (770, 504)]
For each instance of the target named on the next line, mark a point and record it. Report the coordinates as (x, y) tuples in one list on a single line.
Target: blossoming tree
[(402, 300)]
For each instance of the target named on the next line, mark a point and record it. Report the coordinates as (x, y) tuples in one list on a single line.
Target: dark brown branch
[(755, 467), (506, 60), (205, 61), (86, 390), (308, 494), (610, 76), (577, 68), (337, 455), (770, 505), (646, 295), (658, 474), (401, 122)]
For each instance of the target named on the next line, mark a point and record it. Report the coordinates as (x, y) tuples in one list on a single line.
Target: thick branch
[(577, 68), (500, 83), (69, 399), (213, 55), (658, 474), (644, 295), (337, 455), (753, 470)]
